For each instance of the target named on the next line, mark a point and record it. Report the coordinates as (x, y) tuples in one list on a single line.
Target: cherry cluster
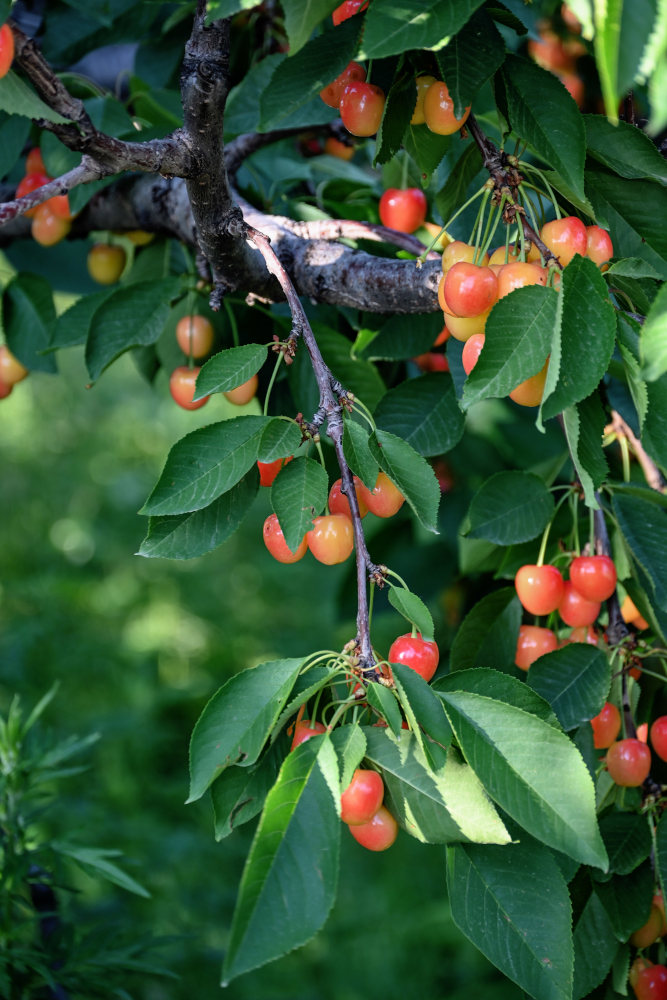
[(52, 220), (195, 336)]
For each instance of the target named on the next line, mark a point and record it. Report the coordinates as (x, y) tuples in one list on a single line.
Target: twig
[(652, 473), (88, 170)]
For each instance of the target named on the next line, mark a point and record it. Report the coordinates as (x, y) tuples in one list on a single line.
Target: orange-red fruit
[(275, 542), (182, 387), (606, 726), (575, 609), (470, 289), (48, 229), (471, 351), (338, 502), (458, 251), (532, 643), (594, 576), (332, 93), (631, 614), (347, 9), (361, 107), (565, 238), (304, 730), (421, 655), (243, 393), (362, 798), (269, 470), (518, 275), (29, 184), (540, 588), (649, 932), (11, 369), (598, 245), (659, 736), (4, 389), (194, 335), (629, 762), (422, 83), (530, 392), (6, 49), (549, 52), (403, 209), (334, 147), (331, 539), (384, 500), (379, 833), (439, 110), (650, 983), (34, 164)]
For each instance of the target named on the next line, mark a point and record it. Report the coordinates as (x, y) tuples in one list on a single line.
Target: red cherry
[(593, 576), (403, 209), (518, 275), (598, 245), (338, 502), (182, 387), (11, 369), (379, 833), (29, 184), (575, 609), (34, 164), (651, 983), (334, 147), (6, 49), (532, 643), (628, 762), (432, 361), (362, 798), (304, 730), (419, 654), (361, 108), (470, 289), (549, 52), (5, 389), (606, 726), (194, 335), (48, 229), (471, 351), (540, 588), (659, 736), (331, 539), (439, 110), (385, 499), (565, 238), (269, 470), (275, 542), (332, 93), (348, 9)]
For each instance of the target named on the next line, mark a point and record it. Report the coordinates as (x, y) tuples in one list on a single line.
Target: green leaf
[(607, 44), (95, 861), (184, 536), (531, 770), (302, 17), (633, 212), (423, 709), (306, 685), (644, 528), (424, 412), (215, 9), (410, 472), (237, 721), (413, 24), (653, 340), (239, 793), (132, 316), (627, 900), (627, 838), (575, 680), (244, 107), (229, 369), (470, 59), (206, 463), (583, 426), (14, 133), (384, 702), (398, 337), (435, 806), (458, 181), (595, 946), (18, 98), (488, 634), (517, 341), (625, 149), (298, 495), (654, 431), (510, 507), (661, 853), (358, 454), (280, 904), (426, 148), (73, 326), (501, 687), (398, 111), (630, 267), (512, 903), (413, 609), (349, 743), (28, 316), (543, 114), (280, 439)]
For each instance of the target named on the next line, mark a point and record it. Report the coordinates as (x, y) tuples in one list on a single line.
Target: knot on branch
[(233, 223)]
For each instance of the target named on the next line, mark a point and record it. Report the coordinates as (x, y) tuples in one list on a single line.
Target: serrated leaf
[(595, 946), (280, 438), (206, 463), (243, 108), (488, 634), (280, 905), (306, 685), (527, 934), (607, 41), (239, 793), (73, 326), (424, 710), (96, 860), (184, 536), (636, 385), (358, 454), (424, 412), (628, 840), (502, 687), (630, 267), (575, 680), (413, 609), (531, 770), (18, 98), (298, 495), (349, 743), (583, 425), (410, 472), (644, 529), (426, 148), (398, 337), (414, 24), (237, 721), (14, 133), (510, 507), (470, 59), (543, 114), (398, 111), (653, 341), (624, 148), (132, 316), (384, 702), (302, 17), (627, 900), (634, 212), (229, 369), (654, 431), (28, 316)]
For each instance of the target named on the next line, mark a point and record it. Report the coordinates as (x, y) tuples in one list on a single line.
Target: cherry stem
[(281, 355), (232, 322), (543, 544), (617, 630)]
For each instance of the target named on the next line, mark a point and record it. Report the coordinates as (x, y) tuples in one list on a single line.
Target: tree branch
[(652, 473)]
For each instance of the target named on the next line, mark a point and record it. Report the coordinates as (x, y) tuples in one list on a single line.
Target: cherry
[(464, 328), (182, 387), (659, 736), (34, 164), (6, 49), (457, 251), (575, 609), (642, 732), (606, 726), (331, 539), (631, 614), (304, 730), (11, 369), (48, 228), (348, 9), (332, 93), (4, 389), (570, 19), (106, 263), (385, 499), (549, 52), (649, 932), (243, 393), (334, 147), (582, 633), (338, 502), (471, 351), (574, 86), (519, 274), (651, 983), (565, 238), (269, 470), (628, 762), (29, 184), (379, 833), (421, 655), (660, 903), (439, 110), (276, 544), (530, 392), (540, 588), (470, 289), (194, 335), (403, 209), (432, 362), (362, 798), (506, 255), (598, 245), (532, 643), (594, 577), (361, 108), (422, 83)]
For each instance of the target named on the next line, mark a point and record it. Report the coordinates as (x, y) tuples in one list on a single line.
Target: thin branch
[(349, 229), (88, 170), (652, 473)]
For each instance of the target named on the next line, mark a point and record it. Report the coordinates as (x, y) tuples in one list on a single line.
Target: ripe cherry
[(642, 732), (348, 9), (518, 275), (594, 577), (243, 393), (598, 245), (439, 110), (631, 614), (582, 633), (6, 49), (334, 147), (379, 833), (606, 726), (48, 229), (532, 643), (34, 164), (275, 542), (470, 289), (194, 335), (471, 351), (464, 328), (432, 361), (338, 502), (421, 655), (530, 392), (304, 730), (182, 387), (331, 539), (362, 798), (575, 609), (422, 83), (269, 470), (575, 87), (651, 983), (4, 389), (540, 588), (549, 52), (649, 932), (628, 762), (11, 369), (385, 499), (403, 209), (361, 108), (659, 736), (29, 184), (565, 238), (457, 251), (332, 93), (106, 263)]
